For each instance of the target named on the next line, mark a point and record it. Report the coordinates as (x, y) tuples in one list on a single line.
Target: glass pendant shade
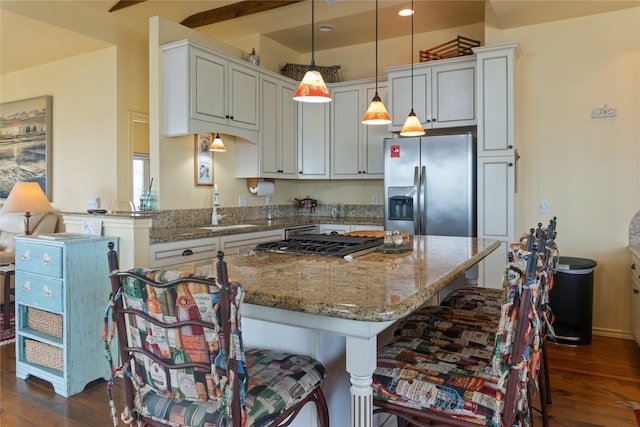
[(312, 88), (376, 113), (412, 126), (217, 144)]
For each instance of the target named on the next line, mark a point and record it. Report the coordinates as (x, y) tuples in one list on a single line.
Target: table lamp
[(26, 197)]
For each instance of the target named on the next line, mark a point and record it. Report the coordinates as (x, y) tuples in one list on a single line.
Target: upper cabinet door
[(453, 102), (346, 113), (400, 89), (496, 99), (209, 93), (313, 140), (243, 97)]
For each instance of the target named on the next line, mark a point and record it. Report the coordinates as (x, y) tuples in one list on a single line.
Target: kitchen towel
[(264, 188)]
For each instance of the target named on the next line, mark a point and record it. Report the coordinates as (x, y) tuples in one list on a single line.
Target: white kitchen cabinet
[(313, 140), (177, 252), (496, 213), (366, 227), (496, 93), (278, 144), (635, 297), (444, 93), (497, 156), (356, 149), (235, 243), (62, 287), (205, 91)]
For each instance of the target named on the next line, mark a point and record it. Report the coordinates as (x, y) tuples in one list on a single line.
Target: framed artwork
[(25, 143), (203, 159)]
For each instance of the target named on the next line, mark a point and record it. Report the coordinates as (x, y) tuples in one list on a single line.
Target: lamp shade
[(26, 197), (312, 88), (217, 144), (412, 126), (376, 113)]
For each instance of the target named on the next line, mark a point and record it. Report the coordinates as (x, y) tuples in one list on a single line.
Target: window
[(140, 179)]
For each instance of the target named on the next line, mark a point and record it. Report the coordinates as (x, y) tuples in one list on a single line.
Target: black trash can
[(572, 300)]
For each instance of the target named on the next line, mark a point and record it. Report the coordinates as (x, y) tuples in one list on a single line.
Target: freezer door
[(449, 191)]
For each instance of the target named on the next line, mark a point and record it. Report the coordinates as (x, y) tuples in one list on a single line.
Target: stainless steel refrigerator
[(430, 185)]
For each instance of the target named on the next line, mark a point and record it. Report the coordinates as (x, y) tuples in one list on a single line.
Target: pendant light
[(217, 144), (376, 113), (412, 126), (312, 87)]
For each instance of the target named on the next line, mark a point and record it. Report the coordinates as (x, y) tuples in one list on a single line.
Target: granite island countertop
[(372, 287)]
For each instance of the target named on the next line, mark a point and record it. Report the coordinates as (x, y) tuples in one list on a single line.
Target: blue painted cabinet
[(62, 288)]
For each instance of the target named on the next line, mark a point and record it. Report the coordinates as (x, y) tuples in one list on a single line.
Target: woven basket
[(44, 321), (296, 72), (460, 46), (43, 354)]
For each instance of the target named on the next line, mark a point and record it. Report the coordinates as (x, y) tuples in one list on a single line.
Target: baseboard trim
[(613, 333)]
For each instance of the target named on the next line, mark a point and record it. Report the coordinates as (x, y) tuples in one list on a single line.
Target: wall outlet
[(374, 199), (242, 201), (544, 206)]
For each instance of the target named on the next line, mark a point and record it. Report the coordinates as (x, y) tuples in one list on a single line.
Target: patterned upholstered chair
[(183, 360), (446, 367)]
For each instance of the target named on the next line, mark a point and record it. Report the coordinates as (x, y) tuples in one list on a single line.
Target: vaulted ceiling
[(33, 32)]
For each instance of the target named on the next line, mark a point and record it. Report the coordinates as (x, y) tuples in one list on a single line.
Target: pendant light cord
[(413, 12), (313, 60), (376, 47)]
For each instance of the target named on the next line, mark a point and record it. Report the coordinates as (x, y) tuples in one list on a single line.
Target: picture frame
[(25, 143), (203, 167)]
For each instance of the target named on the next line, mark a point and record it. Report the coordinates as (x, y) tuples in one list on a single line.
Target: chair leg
[(545, 365), (321, 407)]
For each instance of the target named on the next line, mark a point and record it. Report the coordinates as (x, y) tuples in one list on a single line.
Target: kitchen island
[(357, 299)]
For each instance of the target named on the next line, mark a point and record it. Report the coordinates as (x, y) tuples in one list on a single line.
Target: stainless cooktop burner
[(323, 244)]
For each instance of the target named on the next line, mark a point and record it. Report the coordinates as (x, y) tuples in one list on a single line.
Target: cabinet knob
[(635, 291), (633, 265), (509, 147), (227, 116), (428, 120), (510, 164), (434, 120)]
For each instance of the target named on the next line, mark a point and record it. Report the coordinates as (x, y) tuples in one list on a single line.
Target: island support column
[(361, 362)]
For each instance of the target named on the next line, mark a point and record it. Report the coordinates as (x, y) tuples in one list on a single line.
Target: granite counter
[(372, 287)]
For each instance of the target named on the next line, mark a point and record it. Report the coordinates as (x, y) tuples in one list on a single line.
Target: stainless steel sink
[(227, 227)]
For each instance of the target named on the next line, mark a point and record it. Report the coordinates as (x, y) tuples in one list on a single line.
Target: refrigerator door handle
[(422, 199), (416, 202)]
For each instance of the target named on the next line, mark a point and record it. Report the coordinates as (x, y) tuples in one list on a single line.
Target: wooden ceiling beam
[(124, 3), (231, 11)]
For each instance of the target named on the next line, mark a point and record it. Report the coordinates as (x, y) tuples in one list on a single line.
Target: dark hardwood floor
[(587, 384)]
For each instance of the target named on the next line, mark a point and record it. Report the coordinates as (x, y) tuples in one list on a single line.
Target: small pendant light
[(217, 144), (412, 126), (376, 113), (312, 87)]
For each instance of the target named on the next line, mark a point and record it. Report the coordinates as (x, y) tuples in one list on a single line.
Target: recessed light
[(325, 28), (406, 12)]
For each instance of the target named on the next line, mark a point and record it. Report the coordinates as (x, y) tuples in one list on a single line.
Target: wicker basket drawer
[(44, 321), (43, 354)]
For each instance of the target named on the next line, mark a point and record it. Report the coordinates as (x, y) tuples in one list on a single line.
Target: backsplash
[(246, 214), (634, 230)]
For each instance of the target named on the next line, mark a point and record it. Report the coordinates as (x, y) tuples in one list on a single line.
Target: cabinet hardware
[(633, 265), (187, 252), (510, 164), (509, 147), (635, 291)]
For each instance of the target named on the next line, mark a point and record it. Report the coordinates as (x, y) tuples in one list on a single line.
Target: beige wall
[(84, 124), (587, 168)]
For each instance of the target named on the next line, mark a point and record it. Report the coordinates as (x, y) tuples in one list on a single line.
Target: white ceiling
[(34, 32)]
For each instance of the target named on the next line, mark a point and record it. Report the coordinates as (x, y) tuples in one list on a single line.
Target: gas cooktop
[(323, 244)]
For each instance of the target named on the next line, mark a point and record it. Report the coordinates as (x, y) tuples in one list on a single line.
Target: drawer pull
[(46, 259), (26, 286), (47, 292), (25, 256), (635, 291), (187, 252), (633, 265)]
